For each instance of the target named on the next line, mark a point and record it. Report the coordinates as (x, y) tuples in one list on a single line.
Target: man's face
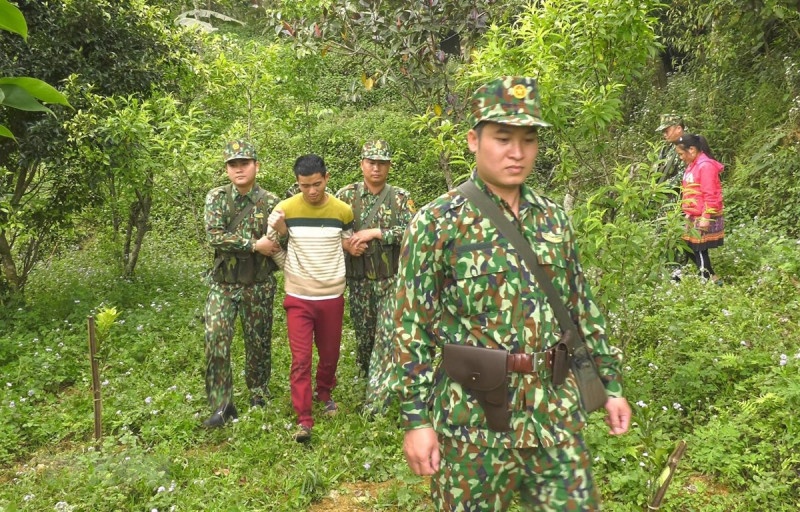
[(672, 133), (313, 187), (504, 155), (376, 172), (242, 173)]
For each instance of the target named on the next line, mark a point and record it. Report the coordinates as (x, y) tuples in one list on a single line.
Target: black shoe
[(260, 399), (221, 416)]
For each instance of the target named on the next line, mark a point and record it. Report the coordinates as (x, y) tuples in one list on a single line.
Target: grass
[(689, 376)]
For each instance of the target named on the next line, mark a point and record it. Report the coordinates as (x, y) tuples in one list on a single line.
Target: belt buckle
[(538, 361)]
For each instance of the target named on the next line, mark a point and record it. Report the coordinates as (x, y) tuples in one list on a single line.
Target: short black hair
[(308, 165)]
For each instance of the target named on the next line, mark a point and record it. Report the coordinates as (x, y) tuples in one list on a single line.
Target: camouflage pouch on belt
[(483, 372)]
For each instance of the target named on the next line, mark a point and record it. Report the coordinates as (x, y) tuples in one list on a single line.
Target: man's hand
[(266, 246), (421, 447), (277, 221), (360, 240), (619, 415)]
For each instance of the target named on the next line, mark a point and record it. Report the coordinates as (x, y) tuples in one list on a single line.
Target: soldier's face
[(504, 155), (375, 172), (672, 133), (313, 187), (242, 173)]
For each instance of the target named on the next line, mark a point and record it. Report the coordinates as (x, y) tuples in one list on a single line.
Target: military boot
[(221, 416)]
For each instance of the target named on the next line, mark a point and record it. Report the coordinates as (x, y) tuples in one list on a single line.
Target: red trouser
[(317, 322)]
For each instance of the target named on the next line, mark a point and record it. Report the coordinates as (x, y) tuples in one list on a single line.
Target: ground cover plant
[(716, 366)]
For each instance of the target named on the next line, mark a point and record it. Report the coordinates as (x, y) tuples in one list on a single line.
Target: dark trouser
[(366, 297), (702, 261), (481, 479), (253, 305)]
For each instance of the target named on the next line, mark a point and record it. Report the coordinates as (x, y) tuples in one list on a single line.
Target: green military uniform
[(669, 167), (370, 277), (241, 284), (460, 282)]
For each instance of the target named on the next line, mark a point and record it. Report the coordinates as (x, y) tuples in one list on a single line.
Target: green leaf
[(38, 89), (11, 19), (5, 132), (19, 98)]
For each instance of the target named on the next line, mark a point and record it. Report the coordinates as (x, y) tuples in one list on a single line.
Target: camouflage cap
[(239, 149), (668, 120), (376, 150), (512, 100)]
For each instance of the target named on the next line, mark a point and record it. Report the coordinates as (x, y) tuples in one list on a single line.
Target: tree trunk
[(444, 165), (9, 267)]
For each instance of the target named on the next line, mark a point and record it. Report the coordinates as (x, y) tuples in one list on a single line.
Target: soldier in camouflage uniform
[(241, 282), (669, 167), (460, 282), (381, 214)]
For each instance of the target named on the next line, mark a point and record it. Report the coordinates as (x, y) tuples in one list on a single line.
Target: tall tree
[(122, 47), (416, 45)]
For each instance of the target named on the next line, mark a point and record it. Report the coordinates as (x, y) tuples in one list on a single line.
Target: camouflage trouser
[(476, 478), (381, 363), (367, 298), (253, 304)]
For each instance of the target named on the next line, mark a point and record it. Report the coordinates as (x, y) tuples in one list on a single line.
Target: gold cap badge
[(519, 91)]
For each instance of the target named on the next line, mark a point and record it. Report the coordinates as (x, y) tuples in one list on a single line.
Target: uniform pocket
[(480, 273)]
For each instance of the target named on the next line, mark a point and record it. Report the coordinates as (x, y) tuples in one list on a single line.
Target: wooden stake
[(98, 401), (667, 474)]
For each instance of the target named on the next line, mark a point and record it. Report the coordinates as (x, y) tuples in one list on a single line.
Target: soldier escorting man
[(381, 213), (461, 282), (241, 282)]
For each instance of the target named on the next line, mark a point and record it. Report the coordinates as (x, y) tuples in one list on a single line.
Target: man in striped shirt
[(318, 226)]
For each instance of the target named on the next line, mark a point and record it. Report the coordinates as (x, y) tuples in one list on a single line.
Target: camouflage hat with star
[(512, 100), (239, 149), (668, 120), (376, 150)]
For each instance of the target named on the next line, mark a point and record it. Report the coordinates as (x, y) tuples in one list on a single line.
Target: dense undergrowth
[(716, 366)]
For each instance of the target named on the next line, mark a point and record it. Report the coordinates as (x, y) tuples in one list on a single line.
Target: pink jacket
[(702, 190)]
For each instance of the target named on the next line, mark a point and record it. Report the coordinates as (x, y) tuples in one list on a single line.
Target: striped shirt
[(313, 262)]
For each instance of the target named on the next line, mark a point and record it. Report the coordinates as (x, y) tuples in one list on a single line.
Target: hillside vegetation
[(101, 215)]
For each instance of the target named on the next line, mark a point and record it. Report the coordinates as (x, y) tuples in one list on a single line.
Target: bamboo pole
[(98, 401), (666, 476)]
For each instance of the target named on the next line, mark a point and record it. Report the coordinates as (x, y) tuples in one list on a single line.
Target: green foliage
[(584, 56)]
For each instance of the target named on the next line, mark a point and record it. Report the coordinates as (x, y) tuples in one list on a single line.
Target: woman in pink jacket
[(701, 195)]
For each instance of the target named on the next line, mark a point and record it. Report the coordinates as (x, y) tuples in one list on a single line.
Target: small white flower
[(367, 465), (161, 489), (641, 464), (31, 392), (784, 360), (148, 400), (641, 404), (677, 406), (104, 383), (12, 404), (28, 497), (188, 397)]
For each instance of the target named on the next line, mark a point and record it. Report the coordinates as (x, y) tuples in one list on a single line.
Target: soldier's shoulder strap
[(244, 211), (388, 192)]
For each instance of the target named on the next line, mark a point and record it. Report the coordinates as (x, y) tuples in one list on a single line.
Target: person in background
[(381, 213), (701, 202), (461, 283), (317, 227), (669, 167), (241, 282)]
